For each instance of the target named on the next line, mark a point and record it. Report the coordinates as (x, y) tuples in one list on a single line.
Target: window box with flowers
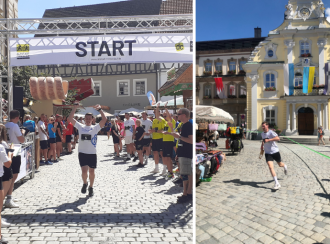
[(207, 73), (270, 92), (241, 72), (270, 88), (306, 55), (217, 72), (232, 72), (207, 97)]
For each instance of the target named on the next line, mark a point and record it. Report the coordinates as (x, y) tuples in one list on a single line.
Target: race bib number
[(86, 137)]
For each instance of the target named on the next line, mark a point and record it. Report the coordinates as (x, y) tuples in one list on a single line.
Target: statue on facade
[(290, 13), (319, 9)]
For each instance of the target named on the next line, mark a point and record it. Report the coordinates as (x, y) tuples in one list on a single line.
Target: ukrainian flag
[(308, 79)]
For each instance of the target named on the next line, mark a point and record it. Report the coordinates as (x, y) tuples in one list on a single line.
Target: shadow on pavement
[(325, 214), (325, 179), (326, 196), (238, 182), (68, 206), (173, 190)]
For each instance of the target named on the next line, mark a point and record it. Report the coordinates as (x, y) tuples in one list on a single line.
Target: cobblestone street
[(239, 205), (130, 205)]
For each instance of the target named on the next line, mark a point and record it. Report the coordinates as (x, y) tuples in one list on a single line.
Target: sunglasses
[(179, 114)]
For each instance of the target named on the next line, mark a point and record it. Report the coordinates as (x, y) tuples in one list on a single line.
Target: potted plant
[(218, 72), (242, 72), (270, 88), (231, 72), (277, 130), (306, 55), (207, 73)]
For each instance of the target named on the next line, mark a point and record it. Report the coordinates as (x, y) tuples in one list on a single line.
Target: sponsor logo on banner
[(179, 46), (23, 51)]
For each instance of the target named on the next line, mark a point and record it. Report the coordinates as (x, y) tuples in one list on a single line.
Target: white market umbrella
[(213, 113), (179, 101), (131, 111), (106, 115)]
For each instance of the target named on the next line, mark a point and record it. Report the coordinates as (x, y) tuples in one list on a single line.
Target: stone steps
[(306, 140)]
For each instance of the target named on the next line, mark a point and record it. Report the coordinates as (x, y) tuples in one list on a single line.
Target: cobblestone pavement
[(130, 205), (239, 205)]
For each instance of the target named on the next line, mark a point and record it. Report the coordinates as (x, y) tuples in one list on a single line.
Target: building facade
[(224, 58), (277, 66), (9, 9)]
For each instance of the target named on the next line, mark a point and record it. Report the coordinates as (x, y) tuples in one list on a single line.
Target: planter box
[(270, 94)]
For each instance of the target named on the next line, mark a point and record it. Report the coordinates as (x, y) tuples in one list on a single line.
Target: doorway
[(305, 121)]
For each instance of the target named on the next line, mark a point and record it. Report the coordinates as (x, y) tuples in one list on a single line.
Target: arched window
[(298, 80), (270, 80)]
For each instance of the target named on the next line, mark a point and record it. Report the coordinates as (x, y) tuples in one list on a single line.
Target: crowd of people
[(165, 137)]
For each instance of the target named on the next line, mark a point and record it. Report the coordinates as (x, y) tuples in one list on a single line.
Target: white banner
[(148, 48)]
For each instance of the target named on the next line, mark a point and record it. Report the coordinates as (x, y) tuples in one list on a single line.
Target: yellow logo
[(22, 48), (179, 46)]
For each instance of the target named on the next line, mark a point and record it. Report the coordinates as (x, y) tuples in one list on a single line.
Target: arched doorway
[(306, 121)]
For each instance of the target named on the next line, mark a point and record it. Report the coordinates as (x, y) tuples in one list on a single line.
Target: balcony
[(317, 91)]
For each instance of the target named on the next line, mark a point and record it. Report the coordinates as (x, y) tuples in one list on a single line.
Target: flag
[(289, 79), (327, 77), (219, 85), (308, 79), (151, 98)]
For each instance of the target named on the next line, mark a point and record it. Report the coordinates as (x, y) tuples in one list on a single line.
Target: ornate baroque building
[(224, 58), (301, 41)]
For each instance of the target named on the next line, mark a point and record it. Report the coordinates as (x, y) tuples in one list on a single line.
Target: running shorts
[(128, 140), (89, 160), (185, 166), (44, 144), (68, 138), (168, 148), (16, 164), (146, 142), (139, 145), (273, 157), (7, 173), (157, 145), (52, 140)]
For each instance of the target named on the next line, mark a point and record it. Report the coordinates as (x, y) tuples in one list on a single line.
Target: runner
[(14, 135), (87, 146), (272, 153), (138, 136), (147, 125), (128, 134), (116, 137), (157, 138)]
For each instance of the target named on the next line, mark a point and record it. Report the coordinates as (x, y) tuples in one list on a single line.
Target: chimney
[(257, 32)]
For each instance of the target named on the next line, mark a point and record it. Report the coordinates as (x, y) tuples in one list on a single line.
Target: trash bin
[(254, 136)]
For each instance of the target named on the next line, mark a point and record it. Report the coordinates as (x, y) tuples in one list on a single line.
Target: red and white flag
[(219, 85)]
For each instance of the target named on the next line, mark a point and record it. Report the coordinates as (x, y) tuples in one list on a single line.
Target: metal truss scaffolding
[(11, 28)]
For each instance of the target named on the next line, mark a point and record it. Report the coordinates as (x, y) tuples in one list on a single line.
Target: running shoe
[(42, 162), (83, 189), (3, 240), (60, 159), (128, 159), (140, 165), (10, 204), (169, 176), (135, 158), (155, 171), (277, 186), (55, 161), (90, 191), (146, 161), (286, 171), (4, 223), (48, 163)]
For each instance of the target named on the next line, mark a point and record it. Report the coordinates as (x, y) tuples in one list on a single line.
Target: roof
[(121, 8), (184, 75), (228, 44)]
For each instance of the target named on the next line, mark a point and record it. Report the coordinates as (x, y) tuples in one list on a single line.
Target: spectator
[(29, 124)]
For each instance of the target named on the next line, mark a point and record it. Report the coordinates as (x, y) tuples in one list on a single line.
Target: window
[(242, 89), (218, 66), (304, 47), (241, 63), (140, 87), (207, 90), (232, 65), (270, 117), (123, 88), (232, 90), (208, 67), (97, 89), (298, 80), (270, 53), (270, 80)]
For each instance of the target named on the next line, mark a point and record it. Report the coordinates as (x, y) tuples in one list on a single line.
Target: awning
[(176, 89)]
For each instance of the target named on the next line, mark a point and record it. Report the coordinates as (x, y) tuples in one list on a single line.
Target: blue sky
[(36, 8), (220, 19)]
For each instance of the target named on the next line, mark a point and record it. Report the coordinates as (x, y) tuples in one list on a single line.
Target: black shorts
[(273, 157), (43, 145), (115, 139), (1, 187), (168, 148), (76, 132), (58, 139), (146, 142), (89, 160), (16, 164), (139, 145), (7, 173), (52, 140), (68, 138), (157, 145)]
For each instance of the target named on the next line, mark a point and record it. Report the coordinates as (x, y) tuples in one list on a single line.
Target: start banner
[(140, 48)]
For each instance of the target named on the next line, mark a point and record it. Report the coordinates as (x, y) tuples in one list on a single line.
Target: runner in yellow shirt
[(158, 125)]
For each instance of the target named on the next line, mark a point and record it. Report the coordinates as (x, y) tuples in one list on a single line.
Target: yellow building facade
[(302, 41)]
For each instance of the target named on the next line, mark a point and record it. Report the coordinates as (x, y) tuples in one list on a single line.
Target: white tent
[(131, 111), (85, 110), (213, 113), (106, 115), (179, 101)]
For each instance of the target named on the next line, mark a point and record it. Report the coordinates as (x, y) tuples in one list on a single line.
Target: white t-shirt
[(42, 136), (147, 125), (129, 125), (87, 145), (270, 147), (36, 130), (3, 156), (13, 132)]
